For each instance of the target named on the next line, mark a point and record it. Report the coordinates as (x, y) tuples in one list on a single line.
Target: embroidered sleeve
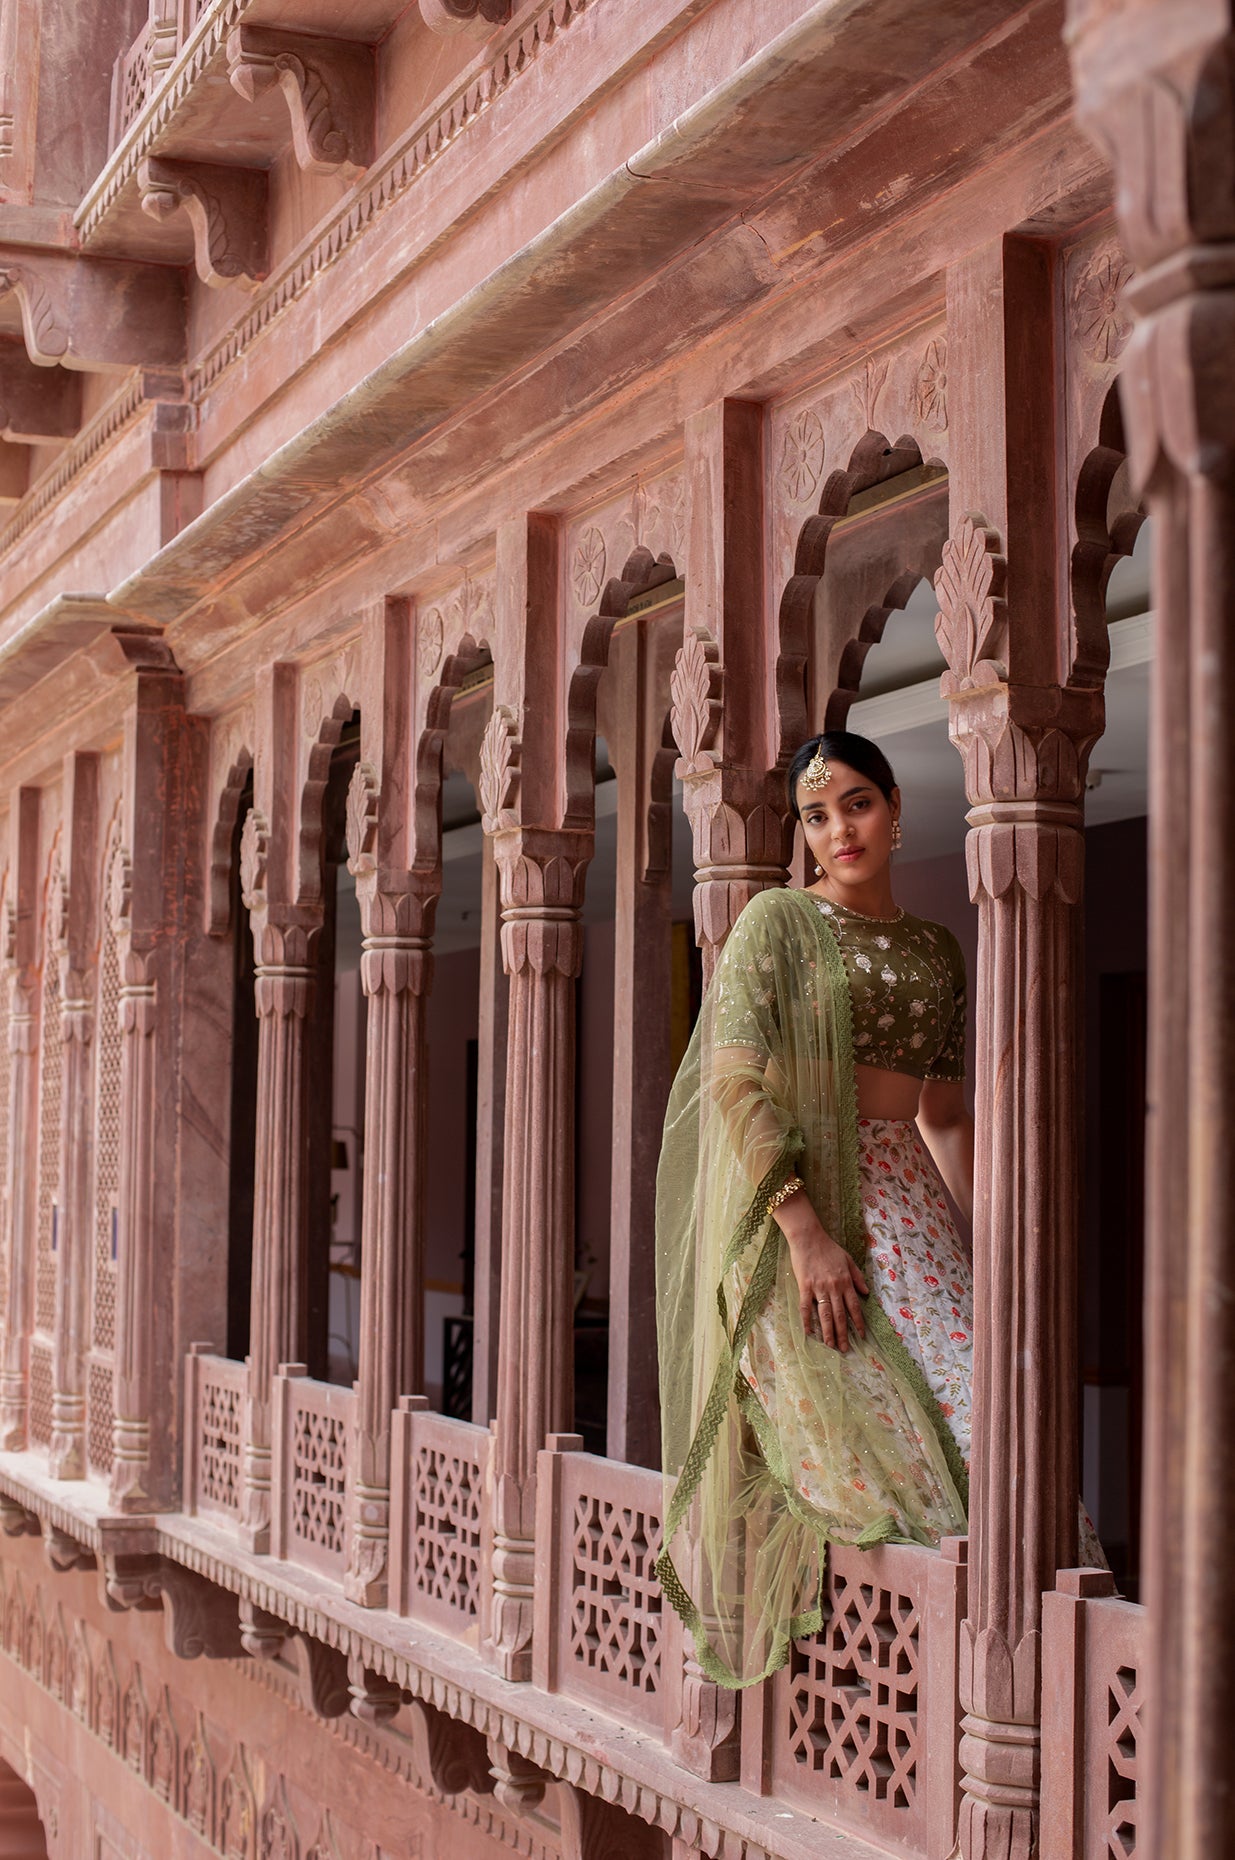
[(949, 1061)]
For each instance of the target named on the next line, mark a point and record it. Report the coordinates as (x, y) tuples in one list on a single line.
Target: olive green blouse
[(907, 985)]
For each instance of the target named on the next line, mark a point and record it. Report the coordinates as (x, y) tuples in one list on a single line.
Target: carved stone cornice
[(328, 86), (226, 208)]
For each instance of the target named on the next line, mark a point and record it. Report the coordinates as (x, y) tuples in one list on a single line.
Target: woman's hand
[(830, 1284)]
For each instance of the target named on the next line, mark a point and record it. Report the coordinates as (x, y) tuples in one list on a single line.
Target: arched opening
[(334, 1109), (1111, 598), (21, 1829), (242, 1116)]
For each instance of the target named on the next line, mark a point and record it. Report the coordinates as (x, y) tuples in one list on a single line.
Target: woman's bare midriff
[(892, 1095)]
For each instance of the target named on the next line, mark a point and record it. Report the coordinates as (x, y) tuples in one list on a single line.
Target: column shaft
[(135, 1267), (72, 1319), (19, 1237)]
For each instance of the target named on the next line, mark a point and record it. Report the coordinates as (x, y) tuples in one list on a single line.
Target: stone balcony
[(855, 1745)]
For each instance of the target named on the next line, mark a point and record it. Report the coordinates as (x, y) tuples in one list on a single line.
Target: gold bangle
[(783, 1193)]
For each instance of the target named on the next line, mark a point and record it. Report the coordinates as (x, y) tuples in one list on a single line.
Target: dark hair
[(857, 752)]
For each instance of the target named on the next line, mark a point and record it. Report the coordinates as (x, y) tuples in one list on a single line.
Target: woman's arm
[(947, 1131)]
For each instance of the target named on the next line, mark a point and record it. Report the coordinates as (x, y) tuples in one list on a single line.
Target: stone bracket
[(374, 1698), (328, 85), (477, 17), (321, 1670), (227, 211), (454, 1754), (16, 1520), (64, 1552), (88, 312)]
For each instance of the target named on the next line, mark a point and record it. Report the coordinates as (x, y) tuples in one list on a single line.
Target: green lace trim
[(729, 1382)]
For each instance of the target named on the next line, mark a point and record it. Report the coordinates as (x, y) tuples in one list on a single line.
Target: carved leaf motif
[(971, 624), (134, 1725), (362, 796), (324, 142), (867, 389), (695, 688), (500, 755), (588, 568), (120, 890), (931, 386), (45, 334), (801, 457), (57, 910), (199, 1783), (254, 860), (162, 1766), (236, 1813), (430, 634)]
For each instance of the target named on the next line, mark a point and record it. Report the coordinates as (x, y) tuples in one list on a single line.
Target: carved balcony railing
[(213, 1434), (599, 1624), (311, 1439), (843, 1729), (1093, 1651), (439, 1520)]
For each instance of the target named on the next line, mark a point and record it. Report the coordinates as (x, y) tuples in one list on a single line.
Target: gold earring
[(897, 836)]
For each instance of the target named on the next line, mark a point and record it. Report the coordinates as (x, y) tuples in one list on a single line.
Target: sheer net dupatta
[(774, 1445)]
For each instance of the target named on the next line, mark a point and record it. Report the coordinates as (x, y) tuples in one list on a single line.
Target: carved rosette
[(1100, 318), (430, 638), (587, 573), (696, 687), (500, 757), (801, 457)]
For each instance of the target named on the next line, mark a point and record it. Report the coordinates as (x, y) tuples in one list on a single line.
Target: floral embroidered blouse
[(907, 986)]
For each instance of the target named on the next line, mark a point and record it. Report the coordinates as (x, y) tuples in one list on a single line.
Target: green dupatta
[(767, 1089)]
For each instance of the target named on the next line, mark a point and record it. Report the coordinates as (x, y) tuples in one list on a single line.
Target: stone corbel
[(593, 1829), (518, 1783), (477, 17), (328, 85), (200, 1620), (64, 1552), (321, 1671), (36, 404), (88, 312), (374, 1699), (16, 1520), (227, 211), (452, 1753)]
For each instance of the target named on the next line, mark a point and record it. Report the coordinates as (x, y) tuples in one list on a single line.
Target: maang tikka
[(817, 773)]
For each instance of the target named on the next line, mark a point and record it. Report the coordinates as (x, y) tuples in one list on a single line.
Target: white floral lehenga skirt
[(918, 1269)]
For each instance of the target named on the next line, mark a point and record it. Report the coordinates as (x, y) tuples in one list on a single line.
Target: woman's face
[(848, 826)]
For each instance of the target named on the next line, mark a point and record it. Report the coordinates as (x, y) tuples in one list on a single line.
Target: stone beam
[(226, 209), (328, 85), (36, 403), (14, 472), (95, 313)]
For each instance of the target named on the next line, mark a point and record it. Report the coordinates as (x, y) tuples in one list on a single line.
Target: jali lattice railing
[(214, 1424), (310, 1447), (1093, 1652), (599, 1617), (438, 1516), (843, 1729)]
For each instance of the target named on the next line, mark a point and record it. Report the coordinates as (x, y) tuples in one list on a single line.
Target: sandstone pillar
[(76, 1213), (541, 874), (23, 1061), (396, 974), (1025, 750), (1155, 86), (284, 981), (20, 932), (146, 902), (490, 1120)]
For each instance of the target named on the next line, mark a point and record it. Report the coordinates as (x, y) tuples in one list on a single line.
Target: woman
[(815, 1304)]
